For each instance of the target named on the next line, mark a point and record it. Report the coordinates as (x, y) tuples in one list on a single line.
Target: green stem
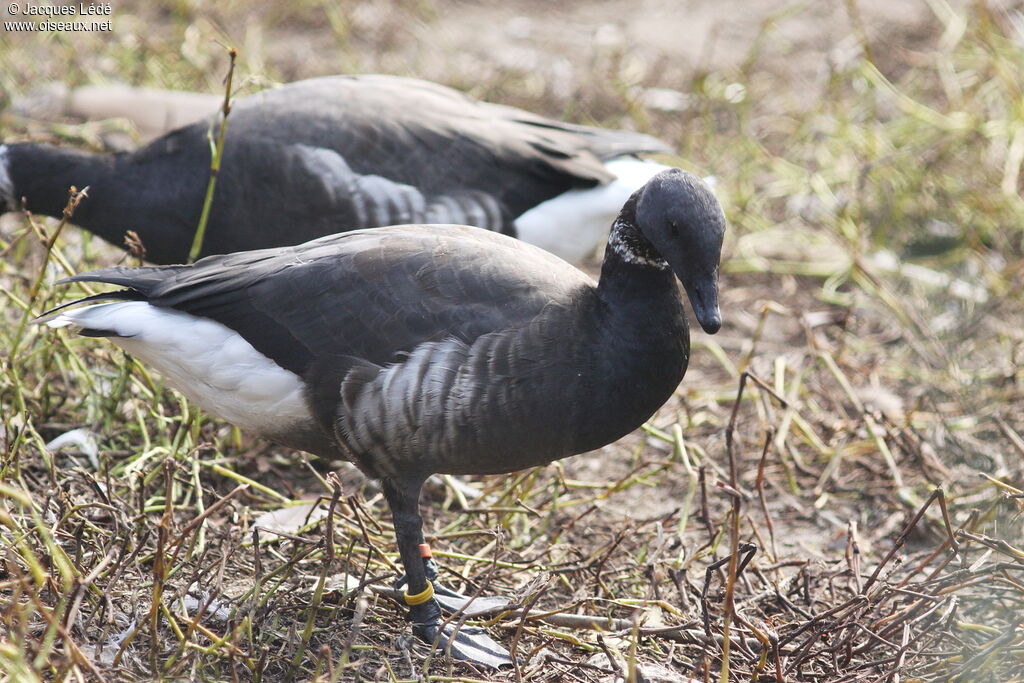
[(74, 198), (216, 151)]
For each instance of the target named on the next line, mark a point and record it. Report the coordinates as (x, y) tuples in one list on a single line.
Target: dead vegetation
[(834, 494)]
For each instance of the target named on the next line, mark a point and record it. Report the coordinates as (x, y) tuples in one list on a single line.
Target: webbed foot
[(452, 602), (468, 643)]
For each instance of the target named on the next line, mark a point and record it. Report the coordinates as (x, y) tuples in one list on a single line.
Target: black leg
[(424, 611), (403, 495)]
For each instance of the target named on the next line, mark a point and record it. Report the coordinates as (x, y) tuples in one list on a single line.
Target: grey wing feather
[(438, 139), (367, 294)]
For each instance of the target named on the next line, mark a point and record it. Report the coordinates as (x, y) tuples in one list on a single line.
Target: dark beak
[(703, 293)]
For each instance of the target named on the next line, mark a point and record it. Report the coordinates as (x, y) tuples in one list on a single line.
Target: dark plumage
[(321, 156), (424, 349)]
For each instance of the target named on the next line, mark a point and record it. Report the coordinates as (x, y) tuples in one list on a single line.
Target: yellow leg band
[(420, 598)]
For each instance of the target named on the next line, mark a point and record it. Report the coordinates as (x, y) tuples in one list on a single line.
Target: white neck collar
[(624, 245)]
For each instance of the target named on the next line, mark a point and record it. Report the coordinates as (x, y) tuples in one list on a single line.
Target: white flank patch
[(8, 202), (212, 365), (572, 224)]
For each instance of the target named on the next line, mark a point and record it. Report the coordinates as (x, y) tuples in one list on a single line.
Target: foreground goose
[(414, 350), (338, 153)]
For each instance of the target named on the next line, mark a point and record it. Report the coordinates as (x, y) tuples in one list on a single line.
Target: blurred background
[(868, 156)]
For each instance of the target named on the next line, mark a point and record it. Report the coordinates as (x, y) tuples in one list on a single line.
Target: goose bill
[(703, 294)]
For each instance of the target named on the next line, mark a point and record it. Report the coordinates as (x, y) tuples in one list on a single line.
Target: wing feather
[(371, 294)]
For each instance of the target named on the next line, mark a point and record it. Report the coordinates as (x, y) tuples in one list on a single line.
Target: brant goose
[(418, 349), (339, 153)]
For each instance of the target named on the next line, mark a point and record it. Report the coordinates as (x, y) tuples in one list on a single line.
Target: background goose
[(414, 350), (344, 152)]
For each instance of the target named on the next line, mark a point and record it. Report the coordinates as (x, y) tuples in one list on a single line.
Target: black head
[(681, 217)]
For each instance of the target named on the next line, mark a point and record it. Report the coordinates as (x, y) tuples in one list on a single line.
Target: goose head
[(682, 220)]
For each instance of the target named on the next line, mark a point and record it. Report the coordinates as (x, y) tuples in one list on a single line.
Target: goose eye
[(673, 228)]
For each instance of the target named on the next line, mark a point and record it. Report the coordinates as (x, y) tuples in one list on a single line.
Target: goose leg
[(403, 497), (467, 643)]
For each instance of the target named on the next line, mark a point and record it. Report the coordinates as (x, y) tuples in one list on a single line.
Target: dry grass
[(833, 495)]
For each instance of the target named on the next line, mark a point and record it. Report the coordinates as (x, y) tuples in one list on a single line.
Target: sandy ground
[(543, 49)]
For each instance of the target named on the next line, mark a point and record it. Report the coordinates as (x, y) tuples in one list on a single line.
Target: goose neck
[(43, 174), (632, 268)]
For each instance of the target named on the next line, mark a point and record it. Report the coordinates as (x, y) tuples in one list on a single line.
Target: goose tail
[(610, 144), (89, 321)]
